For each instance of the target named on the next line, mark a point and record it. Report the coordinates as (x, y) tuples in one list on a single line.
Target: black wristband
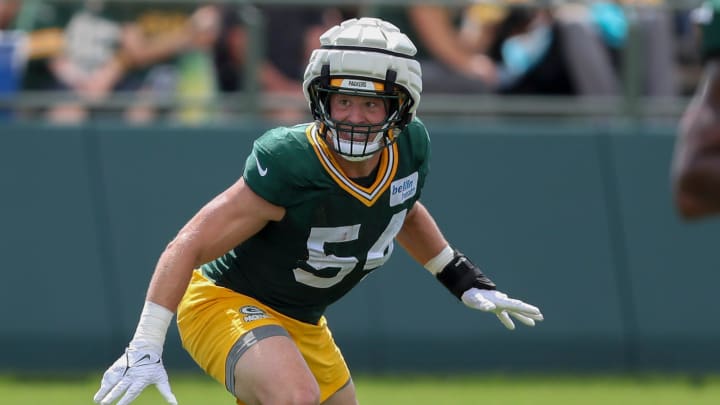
[(461, 274)]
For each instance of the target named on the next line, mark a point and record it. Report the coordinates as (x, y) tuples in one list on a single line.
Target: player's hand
[(503, 306), (130, 374)]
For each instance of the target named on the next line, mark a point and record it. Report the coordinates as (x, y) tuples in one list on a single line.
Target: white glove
[(130, 374), (504, 307)]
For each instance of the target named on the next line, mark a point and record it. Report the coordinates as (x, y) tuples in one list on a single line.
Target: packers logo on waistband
[(366, 195)]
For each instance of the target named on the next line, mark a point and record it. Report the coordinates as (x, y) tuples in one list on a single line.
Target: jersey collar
[(366, 195)]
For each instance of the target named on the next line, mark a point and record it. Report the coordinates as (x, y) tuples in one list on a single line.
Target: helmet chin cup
[(356, 158), (356, 151)]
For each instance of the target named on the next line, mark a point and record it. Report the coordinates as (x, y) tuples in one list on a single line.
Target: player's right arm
[(226, 221), (696, 166)]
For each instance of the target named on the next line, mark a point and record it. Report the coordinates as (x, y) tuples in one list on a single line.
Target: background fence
[(629, 103)]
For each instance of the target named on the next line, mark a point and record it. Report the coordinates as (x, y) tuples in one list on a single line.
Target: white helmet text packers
[(366, 57)]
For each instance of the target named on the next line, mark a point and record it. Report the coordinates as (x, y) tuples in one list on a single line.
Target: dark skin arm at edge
[(696, 160)]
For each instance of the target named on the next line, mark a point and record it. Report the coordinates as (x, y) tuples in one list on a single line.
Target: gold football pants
[(217, 325)]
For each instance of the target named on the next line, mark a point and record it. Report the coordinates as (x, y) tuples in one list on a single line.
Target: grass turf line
[(198, 389)]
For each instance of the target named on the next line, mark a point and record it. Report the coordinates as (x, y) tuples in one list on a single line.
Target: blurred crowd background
[(70, 61)]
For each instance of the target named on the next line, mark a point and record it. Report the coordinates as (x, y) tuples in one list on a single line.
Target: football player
[(316, 210), (696, 165)]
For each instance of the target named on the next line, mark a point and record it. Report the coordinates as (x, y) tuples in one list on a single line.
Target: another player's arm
[(424, 242), (226, 221), (696, 167)]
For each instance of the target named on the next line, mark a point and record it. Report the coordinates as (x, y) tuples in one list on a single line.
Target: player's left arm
[(422, 239)]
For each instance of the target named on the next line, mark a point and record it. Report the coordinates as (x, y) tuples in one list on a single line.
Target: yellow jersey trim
[(366, 195)]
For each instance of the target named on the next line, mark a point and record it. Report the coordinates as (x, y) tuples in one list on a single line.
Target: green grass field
[(409, 390)]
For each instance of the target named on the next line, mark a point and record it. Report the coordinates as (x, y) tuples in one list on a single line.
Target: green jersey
[(335, 231)]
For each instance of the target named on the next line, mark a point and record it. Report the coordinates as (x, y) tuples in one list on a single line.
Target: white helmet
[(367, 57)]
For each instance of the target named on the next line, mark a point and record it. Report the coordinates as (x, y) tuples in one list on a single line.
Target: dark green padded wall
[(576, 219)]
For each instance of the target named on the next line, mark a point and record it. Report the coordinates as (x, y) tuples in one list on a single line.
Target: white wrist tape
[(437, 263), (152, 328)]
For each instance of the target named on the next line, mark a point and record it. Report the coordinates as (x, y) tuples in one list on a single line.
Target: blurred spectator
[(290, 33), (483, 47), (447, 62), (186, 52), (657, 43), (230, 49), (31, 32), (592, 57), (530, 53), (523, 48), (8, 11), (688, 66), (89, 65), (12, 56), (169, 49), (610, 22), (155, 51)]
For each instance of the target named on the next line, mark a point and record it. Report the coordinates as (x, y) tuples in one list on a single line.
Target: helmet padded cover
[(395, 52)]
